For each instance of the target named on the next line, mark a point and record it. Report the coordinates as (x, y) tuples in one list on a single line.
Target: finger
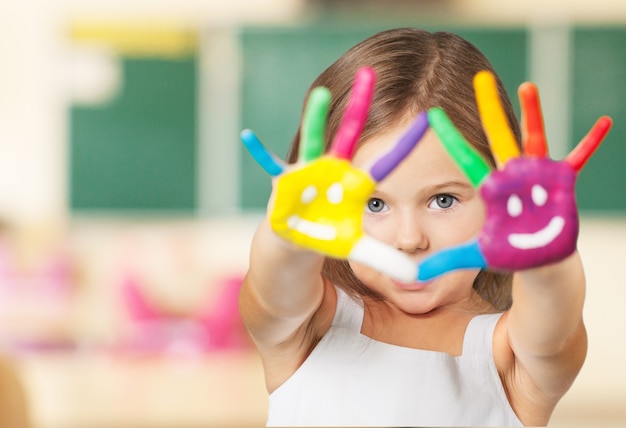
[(260, 154), (467, 158), (355, 115), (583, 151), (384, 258), (388, 162), (314, 124), (465, 256), (534, 137), (501, 139)]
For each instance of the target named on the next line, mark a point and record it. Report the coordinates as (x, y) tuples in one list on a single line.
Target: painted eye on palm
[(532, 217), (319, 201)]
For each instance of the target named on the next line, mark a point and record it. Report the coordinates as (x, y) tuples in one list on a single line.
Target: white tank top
[(351, 379)]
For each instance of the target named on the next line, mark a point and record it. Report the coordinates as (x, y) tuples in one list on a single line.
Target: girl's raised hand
[(319, 201), (532, 217)]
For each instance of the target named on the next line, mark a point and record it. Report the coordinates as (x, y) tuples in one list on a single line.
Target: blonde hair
[(415, 70)]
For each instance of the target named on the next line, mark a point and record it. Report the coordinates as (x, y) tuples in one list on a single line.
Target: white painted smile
[(541, 238), (313, 230)]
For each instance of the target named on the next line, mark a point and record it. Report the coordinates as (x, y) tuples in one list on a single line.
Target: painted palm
[(532, 218)]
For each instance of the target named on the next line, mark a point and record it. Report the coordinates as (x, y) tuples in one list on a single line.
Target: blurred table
[(103, 391)]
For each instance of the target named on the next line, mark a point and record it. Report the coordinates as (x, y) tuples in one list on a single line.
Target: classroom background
[(127, 204)]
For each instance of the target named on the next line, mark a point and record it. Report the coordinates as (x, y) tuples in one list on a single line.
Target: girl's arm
[(282, 290), (279, 299), (543, 343), (531, 229), (316, 204)]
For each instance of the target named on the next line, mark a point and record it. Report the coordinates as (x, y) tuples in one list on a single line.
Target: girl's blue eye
[(443, 201), (375, 205)]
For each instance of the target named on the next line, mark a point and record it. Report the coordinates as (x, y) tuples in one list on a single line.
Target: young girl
[(343, 344)]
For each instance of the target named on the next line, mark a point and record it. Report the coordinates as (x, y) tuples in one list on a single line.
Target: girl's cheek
[(377, 227), (474, 220), (365, 274)]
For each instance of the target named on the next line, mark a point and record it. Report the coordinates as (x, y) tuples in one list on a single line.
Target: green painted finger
[(314, 124), (464, 155)]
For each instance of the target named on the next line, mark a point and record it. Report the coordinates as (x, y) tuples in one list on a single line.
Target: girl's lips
[(411, 286)]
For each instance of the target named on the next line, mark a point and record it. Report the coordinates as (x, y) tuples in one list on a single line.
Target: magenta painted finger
[(355, 115), (384, 165)]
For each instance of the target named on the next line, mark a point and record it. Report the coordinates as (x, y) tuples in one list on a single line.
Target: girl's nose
[(410, 234)]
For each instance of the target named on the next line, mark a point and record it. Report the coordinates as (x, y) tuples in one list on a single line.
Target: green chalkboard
[(137, 152), (599, 88), (280, 63)]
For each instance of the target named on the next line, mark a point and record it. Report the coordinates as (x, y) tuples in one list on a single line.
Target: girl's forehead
[(429, 147), (427, 165), (381, 142)]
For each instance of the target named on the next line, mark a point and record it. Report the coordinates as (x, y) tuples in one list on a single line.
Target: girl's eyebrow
[(453, 186), (439, 187)]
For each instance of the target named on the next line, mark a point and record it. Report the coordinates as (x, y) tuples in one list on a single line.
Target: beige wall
[(528, 10)]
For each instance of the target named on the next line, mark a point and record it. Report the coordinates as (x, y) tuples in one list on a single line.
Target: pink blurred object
[(39, 297), (51, 279), (152, 330)]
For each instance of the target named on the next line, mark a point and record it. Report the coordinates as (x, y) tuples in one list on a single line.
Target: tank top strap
[(349, 313), (478, 338)]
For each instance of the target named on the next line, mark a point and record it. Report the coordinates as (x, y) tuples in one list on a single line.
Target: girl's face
[(426, 204)]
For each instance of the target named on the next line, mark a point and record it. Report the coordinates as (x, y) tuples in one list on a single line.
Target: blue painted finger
[(464, 256), (261, 155)]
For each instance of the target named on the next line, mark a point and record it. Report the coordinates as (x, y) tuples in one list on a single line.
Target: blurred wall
[(573, 10), (32, 111), (34, 83)]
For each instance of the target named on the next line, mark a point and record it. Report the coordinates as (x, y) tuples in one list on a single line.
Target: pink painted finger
[(355, 115), (583, 151)]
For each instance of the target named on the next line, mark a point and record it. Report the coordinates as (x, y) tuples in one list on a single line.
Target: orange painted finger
[(533, 133), (583, 151)]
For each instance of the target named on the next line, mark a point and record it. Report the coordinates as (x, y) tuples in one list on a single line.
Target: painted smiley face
[(538, 221), (531, 218), (328, 214)]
